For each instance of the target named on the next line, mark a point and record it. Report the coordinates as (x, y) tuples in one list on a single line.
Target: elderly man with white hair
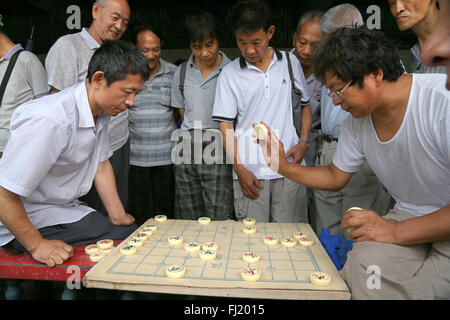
[(67, 63)]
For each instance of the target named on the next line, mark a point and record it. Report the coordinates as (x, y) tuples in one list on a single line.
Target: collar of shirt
[(224, 62), (163, 69), (278, 56), (91, 42), (311, 78), (11, 52), (415, 50), (86, 119)]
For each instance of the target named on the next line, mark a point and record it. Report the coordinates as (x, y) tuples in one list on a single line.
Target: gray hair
[(101, 3), (310, 16), (343, 15)]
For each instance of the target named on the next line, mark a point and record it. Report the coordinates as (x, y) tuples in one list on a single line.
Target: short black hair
[(117, 59), (200, 25), (146, 27), (248, 16), (352, 53)]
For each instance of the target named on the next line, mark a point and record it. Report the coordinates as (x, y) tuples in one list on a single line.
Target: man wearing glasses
[(400, 125), (364, 189)]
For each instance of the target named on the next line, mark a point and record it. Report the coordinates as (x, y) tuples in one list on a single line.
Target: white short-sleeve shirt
[(414, 165), (246, 94), (52, 157)]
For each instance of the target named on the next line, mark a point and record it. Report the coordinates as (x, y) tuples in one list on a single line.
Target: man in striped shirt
[(151, 123)]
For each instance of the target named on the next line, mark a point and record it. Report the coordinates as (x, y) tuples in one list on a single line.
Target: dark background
[(49, 18)]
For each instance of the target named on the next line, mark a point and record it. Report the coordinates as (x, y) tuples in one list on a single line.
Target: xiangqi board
[(285, 271)]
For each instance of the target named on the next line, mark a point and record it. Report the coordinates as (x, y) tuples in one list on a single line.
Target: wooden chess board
[(285, 271)]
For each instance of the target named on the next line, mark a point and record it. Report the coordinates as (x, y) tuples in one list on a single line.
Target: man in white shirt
[(67, 63), (256, 87), (57, 148), (363, 189), (400, 125)]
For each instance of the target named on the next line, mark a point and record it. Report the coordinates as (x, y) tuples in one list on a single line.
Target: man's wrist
[(303, 139)]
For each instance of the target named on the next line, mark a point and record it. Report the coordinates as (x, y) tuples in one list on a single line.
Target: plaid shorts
[(203, 190)]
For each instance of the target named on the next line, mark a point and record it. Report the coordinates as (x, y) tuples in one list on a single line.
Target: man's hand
[(369, 226), (297, 152), (123, 220), (272, 149), (52, 252), (248, 181)]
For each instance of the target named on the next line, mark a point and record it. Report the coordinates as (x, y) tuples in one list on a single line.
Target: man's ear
[(294, 36), (271, 31), (95, 10), (378, 76), (98, 78)]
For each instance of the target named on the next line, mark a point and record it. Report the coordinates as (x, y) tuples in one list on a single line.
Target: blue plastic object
[(336, 247)]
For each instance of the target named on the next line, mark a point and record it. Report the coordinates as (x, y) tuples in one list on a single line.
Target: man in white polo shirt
[(58, 146), (67, 63), (254, 87)]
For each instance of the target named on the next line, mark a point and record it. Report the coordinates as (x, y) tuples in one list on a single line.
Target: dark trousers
[(90, 229), (151, 192), (120, 162)]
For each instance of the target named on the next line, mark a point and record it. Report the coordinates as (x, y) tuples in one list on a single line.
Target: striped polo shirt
[(151, 120)]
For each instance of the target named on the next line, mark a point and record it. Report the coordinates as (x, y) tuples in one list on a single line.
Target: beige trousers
[(280, 200), (376, 270)]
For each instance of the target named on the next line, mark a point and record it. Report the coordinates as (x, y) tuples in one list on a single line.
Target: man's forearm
[(324, 178), (230, 144), (105, 183), (306, 122), (428, 228), (15, 219)]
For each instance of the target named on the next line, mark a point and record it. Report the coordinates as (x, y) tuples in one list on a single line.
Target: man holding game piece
[(400, 124)]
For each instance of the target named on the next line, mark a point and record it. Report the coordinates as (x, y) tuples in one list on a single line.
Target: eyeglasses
[(339, 95)]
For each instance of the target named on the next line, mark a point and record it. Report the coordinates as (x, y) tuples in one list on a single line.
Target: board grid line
[(227, 257)]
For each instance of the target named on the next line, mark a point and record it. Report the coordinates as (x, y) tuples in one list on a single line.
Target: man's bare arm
[(15, 219), (105, 183)]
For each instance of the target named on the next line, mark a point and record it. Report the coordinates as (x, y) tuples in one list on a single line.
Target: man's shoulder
[(68, 39), (434, 82), (232, 67), (55, 107), (27, 58)]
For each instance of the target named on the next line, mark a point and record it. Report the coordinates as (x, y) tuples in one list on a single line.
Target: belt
[(329, 138)]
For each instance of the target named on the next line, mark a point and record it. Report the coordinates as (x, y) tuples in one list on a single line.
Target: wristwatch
[(305, 140)]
